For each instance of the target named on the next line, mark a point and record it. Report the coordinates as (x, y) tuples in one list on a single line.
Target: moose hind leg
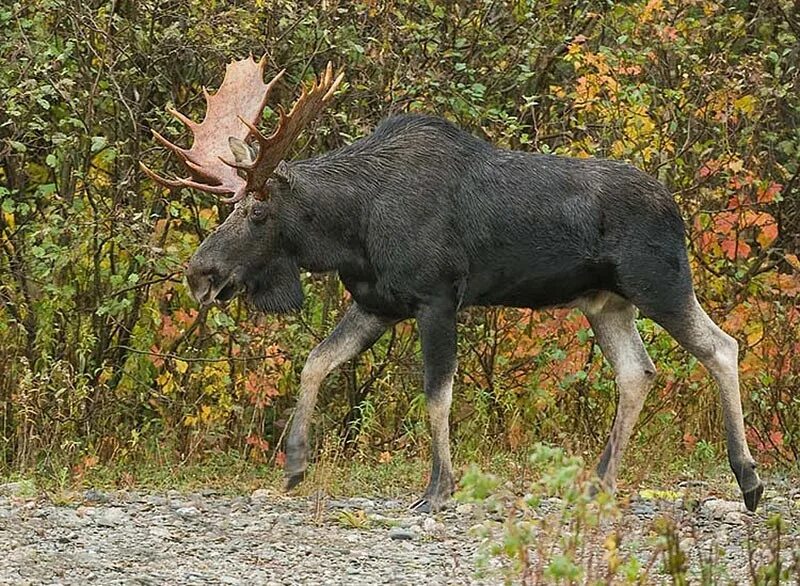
[(357, 331), (615, 330), (718, 352)]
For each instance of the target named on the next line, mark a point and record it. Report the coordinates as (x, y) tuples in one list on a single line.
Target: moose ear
[(282, 172), (243, 153)]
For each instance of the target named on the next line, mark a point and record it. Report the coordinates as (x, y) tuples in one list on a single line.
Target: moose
[(421, 219)]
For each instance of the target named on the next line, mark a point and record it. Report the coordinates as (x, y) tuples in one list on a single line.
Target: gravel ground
[(267, 538)]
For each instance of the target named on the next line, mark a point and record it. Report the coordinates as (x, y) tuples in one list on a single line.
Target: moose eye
[(258, 212)]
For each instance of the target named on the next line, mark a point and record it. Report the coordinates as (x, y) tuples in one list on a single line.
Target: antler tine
[(181, 152), (254, 131), (274, 148), (190, 124), (184, 182), (171, 183), (334, 86)]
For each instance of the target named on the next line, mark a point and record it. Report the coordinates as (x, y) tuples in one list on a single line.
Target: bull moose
[(420, 219)]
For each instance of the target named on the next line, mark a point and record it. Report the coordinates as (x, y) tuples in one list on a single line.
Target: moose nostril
[(201, 281)]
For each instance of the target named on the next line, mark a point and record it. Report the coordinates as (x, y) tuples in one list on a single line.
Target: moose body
[(421, 219), (420, 211)]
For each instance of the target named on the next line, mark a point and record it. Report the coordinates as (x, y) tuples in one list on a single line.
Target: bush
[(105, 354)]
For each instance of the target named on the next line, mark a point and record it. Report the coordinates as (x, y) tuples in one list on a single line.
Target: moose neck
[(323, 218)]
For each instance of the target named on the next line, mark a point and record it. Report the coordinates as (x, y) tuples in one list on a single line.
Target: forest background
[(106, 360)]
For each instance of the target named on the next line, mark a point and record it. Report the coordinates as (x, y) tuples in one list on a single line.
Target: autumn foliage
[(104, 355)]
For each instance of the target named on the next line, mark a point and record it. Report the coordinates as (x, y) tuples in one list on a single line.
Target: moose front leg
[(437, 332), (357, 331)]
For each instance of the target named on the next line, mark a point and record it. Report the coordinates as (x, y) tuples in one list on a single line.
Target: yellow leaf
[(167, 382), (736, 165), (662, 495), (745, 104), (755, 333), (181, 366)]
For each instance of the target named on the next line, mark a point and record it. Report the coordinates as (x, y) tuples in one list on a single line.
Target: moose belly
[(556, 286), (534, 288), (376, 299)]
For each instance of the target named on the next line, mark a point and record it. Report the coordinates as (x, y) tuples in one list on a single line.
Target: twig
[(199, 359)]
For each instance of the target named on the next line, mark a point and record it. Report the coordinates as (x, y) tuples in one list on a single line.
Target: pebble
[(187, 512), (110, 517), (721, 509), (401, 533), (15, 489), (96, 496), (260, 495), (465, 509)]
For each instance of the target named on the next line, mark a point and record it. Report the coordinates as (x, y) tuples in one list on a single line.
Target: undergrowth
[(553, 528)]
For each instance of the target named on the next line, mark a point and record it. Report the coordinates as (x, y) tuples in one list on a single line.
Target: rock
[(20, 489), (719, 508), (155, 500), (187, 512), (433, 527), (734, 518), (362, 503), (401, 534), (465, 509), (160, 532), (67, 537), (260, 495), (110, 517), (643, 509), (96, 496)]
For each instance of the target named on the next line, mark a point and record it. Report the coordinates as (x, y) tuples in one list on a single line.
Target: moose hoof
[(753, 496), (292, 480), (434, 500), (427, 505), (422, 505)]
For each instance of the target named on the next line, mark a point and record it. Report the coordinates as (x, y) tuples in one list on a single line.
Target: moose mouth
[(215, 290), (228, 292)]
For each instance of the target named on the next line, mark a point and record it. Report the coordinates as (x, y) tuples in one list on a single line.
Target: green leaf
[(46, 189), (98, 143), (51, 160)]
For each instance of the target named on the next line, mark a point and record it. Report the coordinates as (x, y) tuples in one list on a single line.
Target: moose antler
[(274, 148), (233, 111)]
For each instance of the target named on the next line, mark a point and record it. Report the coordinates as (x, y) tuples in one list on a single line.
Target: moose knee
[(636, 379), (315, 369), (722, 352)]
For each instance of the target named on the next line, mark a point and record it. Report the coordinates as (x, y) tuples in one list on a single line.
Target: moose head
[(245, 253)]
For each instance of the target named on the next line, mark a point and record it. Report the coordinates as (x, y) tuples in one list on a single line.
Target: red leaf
[(735, 248), (157, 361), (770, 193)]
